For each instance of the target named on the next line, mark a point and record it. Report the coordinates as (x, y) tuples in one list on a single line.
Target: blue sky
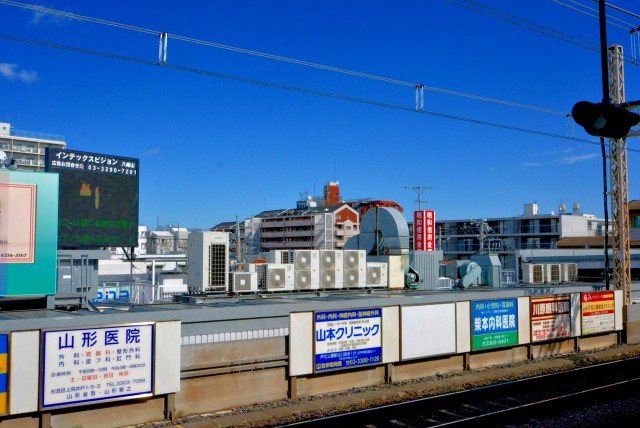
[(212, 148)]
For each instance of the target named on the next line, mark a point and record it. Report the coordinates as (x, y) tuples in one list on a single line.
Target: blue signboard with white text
[(347, 339)]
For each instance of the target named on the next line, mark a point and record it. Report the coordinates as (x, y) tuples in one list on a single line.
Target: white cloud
[(12, 72), (559, 152), (579, 158), (43, 18), (531, 164), (152, 151)]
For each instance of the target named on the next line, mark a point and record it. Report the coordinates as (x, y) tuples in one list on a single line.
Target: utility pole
[(419, 189), (618, 176), (613, 119)]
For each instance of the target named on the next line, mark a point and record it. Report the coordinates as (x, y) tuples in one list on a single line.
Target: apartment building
[(300, 228), (26, 147), (505, 236)]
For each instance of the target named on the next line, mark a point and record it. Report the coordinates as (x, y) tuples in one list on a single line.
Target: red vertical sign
[(424, 230)]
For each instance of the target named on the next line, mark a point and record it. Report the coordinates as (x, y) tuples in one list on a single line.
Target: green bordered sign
[(494, 323)]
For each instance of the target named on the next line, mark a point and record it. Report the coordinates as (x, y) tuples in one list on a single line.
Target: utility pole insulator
[(162, 49)]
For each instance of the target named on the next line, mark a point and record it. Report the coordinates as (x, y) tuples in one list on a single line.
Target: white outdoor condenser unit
[(275, 277), (533, 273), (355, 269), (377, 274), (279, 256), (569, 272), (306, 264), (331, 269), (244, 282), (552, 274)]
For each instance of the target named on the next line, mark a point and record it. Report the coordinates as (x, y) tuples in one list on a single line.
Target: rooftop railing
[(36, 135)]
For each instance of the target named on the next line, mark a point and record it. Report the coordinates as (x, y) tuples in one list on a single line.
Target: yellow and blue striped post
[(4, 358)]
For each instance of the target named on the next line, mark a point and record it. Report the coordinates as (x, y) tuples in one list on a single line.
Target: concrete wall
[(217, 372), (632, 324), (219, 392), (340, 381)]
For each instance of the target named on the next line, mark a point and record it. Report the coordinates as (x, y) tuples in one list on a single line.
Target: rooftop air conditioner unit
[(306, 259), (279, 256), (377, 274), (532, 273), (275, 277), (307, 274), (569, 272), (355, 269), (331, 259), (329, 279), (331, 269), (552, 274), (244, 282), (306, 280)]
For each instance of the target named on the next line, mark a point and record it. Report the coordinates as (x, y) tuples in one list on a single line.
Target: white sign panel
[(347, 339), (428, 330), (96, 364)]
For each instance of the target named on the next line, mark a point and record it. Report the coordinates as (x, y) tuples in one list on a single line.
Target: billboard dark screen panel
[(98, 198)]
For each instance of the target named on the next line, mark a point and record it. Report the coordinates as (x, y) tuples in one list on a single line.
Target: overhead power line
[(619, 9), (532, 26), (164, 35), (592, 12), (295, 89)]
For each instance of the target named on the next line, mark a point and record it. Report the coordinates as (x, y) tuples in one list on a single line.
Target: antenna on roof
[(419, 189)]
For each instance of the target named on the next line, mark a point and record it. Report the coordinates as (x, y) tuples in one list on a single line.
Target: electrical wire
[(278, 57), (295, 89), (619, 9), (529, 25), (503, 16), (594, 15)]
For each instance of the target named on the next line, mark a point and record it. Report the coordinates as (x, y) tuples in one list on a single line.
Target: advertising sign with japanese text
[(494, 323), (98, 198), (97, 364), (424, 235), (17, 223), (550, 317), (28, 233), (598, 311), (346, 339)]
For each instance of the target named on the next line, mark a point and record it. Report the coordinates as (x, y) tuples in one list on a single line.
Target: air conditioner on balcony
[(377, 274), (244, 282), (355, 273), (275, 277)]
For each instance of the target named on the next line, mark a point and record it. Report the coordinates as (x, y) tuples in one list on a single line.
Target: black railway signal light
[(604, 120)]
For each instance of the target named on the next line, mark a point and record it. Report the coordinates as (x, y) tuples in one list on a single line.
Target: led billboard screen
[(98, 198)]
